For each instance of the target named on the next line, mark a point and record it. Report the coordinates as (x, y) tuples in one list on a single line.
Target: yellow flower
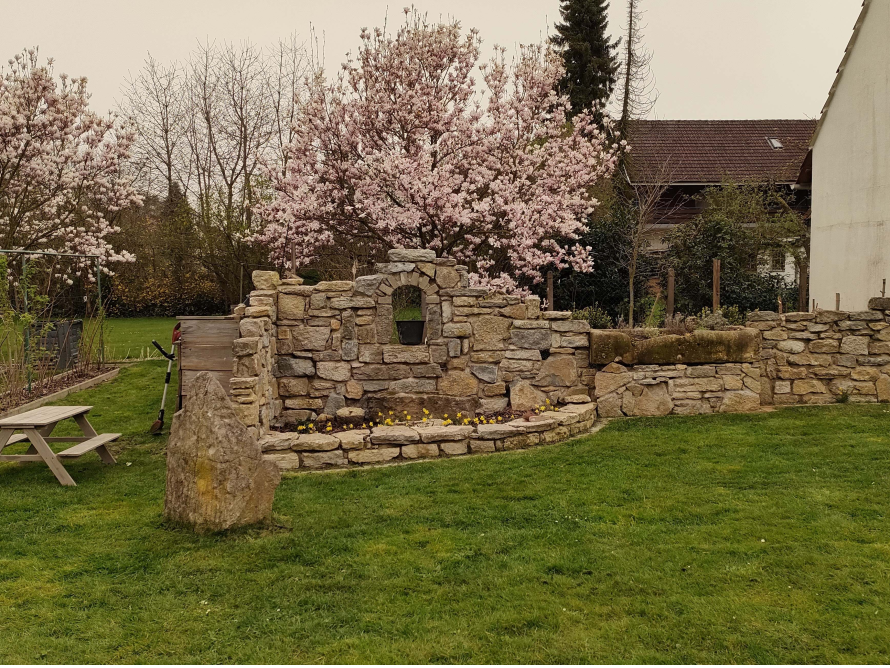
[(300, 428), (466, 420), (391, 413), (459, 414), (446, 416), (364, 426), (425, 411), (500, 418), (350, 426), (424, 419), (311, 426), (543, 408), (548, 401), (329, 428), (408, 418)]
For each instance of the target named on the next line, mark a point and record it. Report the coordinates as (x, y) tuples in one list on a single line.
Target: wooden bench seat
[(88, 446)]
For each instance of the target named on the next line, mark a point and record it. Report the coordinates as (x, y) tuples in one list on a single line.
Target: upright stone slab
[(217, 478)]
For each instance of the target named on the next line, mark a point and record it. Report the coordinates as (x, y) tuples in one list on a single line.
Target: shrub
[(596, 317)]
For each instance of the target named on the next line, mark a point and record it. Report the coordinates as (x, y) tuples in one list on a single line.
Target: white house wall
[(851, 175)]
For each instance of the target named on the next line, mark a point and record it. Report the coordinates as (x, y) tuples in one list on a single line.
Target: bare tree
[(154, 101), (636, 95), (211, 125), (647, 208)]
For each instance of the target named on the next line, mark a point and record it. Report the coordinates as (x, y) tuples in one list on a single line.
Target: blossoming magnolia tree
[(61, 165), (403, 150)]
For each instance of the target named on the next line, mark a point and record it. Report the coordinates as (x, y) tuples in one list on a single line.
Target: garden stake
[(158, 424)]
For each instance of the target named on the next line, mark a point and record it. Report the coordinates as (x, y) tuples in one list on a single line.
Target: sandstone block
[(265, 280), (394, 435), (406, 354), (373, 455), (537, 339), (321, 460), (557, 371), (420, 451), (336, 371), (354, 439), (316, 443), (607, 383), (217, 478), (740, 402), (294, 366), (854, 345), (458, 384), (410, 255), (808, 386)]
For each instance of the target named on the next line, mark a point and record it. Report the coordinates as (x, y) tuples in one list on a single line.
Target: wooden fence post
[(716, 286), (670, 297), (803, 281), (550, 305), (837, 301)]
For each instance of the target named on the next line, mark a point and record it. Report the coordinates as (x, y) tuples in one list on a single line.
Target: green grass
[(130, 338), (712, 539)]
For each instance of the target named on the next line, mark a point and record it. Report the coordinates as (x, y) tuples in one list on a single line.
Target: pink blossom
[(402, 150), (62, 167)]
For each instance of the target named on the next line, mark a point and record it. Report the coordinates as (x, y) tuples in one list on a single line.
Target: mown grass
[(713, 539), (130, 338)]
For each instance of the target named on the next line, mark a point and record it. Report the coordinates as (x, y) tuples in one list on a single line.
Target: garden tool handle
[(169, 356)]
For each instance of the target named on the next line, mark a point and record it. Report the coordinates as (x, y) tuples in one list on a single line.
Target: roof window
[(774, 143)]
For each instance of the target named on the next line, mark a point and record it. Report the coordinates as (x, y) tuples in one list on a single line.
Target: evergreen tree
[(590, 62)]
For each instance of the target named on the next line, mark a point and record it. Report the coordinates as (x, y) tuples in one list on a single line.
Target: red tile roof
[(710, 151)]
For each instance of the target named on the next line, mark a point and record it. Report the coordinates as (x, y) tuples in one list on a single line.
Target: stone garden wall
[(816, 358), (701, 372), (325, 350)]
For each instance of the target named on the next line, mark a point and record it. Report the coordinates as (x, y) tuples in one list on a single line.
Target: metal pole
[(27, 325), (101, 314)]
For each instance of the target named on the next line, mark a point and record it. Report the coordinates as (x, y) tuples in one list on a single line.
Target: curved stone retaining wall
[(358, 447)]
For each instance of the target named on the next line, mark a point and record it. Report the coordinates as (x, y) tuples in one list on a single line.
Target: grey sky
[(712, 58)]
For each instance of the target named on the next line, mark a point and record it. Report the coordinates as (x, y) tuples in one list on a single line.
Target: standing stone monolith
[(217, 478)]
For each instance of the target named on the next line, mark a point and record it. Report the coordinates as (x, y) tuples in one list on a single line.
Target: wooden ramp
[(206, 345)]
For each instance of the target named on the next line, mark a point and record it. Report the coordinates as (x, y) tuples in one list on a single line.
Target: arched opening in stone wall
[(409, 315)]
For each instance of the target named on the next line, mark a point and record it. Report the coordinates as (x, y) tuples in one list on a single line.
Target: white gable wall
[(851, 175)]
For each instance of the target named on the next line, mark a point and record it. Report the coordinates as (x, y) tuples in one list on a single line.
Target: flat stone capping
[(360, 447), (700, 347)]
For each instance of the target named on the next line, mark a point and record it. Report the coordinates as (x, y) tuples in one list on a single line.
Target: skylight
[(774, 143)]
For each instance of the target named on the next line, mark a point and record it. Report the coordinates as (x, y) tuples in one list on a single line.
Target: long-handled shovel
[(158, 424)]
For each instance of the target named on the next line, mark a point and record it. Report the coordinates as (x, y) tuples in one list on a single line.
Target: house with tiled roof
[(850, 225), (690, 156)]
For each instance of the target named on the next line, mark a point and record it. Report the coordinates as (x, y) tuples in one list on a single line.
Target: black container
[(410, 332)]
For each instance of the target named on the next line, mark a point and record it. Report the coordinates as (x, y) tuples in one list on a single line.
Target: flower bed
[(418, 440)]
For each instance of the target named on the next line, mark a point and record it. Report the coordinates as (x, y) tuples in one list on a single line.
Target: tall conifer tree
[(583, 40)]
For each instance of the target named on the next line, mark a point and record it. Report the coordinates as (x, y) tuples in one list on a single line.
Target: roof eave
[(840, 70)]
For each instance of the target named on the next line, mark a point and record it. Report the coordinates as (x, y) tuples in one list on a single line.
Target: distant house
[(850, 242), (694, 155)]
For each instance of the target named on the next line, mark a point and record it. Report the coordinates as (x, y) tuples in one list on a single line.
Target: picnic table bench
[(37, 426)]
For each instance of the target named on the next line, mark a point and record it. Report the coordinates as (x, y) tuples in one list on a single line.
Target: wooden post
[(550, 305), (884, 289), (670, 297), (781, 306), (837, 301), (803, 280), (293, 259), (716, 286)]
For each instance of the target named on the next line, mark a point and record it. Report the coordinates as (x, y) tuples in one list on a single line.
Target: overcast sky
[(712, 58)]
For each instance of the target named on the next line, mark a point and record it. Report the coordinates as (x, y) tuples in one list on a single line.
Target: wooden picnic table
[(37, 426)]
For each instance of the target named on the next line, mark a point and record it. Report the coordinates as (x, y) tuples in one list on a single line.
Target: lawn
[(712, 539), (130, 338)]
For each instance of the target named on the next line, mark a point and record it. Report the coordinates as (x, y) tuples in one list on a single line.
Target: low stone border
[(362, 447), (61, 394)]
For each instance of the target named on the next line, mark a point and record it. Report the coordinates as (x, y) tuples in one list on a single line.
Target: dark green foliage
[(589, 56), (738, 227)]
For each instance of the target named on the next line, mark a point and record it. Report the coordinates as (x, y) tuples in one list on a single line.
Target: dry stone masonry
[(325, 352), (702, 372), (815, 358)]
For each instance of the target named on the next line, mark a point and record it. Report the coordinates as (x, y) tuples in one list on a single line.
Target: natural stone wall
[(381, 445), (325, 349), (680, 389), (815, 358)]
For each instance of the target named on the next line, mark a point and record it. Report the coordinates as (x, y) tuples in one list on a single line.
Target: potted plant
[(410, 325)]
